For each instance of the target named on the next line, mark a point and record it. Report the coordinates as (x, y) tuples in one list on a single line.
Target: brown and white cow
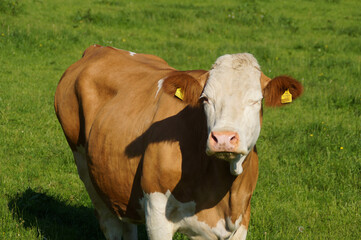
[(174, 149)]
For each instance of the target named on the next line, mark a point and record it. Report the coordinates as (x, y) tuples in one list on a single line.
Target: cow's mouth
[(228, 156), (235, 160)]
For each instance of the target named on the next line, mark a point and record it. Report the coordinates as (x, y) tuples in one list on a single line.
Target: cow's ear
[(184, 87), (280, 90)]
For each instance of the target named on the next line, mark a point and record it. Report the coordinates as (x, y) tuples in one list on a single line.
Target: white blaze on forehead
[(233, 84), (234, 97), (235, 76)]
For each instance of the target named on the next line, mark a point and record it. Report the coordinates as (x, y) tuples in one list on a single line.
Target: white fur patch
[(165, 215), (160, 85), (240, 234), (132, 53), (236, 165), (234, 97), (220, 231), (234, 226)]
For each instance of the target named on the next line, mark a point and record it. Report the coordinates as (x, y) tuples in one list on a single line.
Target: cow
[(173, 149)]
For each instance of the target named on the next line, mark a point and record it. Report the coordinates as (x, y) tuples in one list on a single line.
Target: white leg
[(158, 226), (110, 224), (240, 234)]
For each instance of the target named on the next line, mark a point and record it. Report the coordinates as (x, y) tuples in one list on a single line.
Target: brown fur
[(276, 88), (264, 81), (191, 88)]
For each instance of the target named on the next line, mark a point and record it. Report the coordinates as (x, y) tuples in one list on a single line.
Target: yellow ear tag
[(286, 97), (179, 94)]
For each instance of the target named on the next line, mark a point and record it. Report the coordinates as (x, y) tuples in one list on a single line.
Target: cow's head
[(232, 98)]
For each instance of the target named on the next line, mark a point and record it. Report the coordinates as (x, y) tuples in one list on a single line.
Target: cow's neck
[(243, 186), (224, 195)]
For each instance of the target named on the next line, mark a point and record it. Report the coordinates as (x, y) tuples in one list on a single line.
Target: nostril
[(234, 139), (214, 138)]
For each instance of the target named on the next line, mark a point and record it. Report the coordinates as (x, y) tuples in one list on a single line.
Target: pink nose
[(223, 141)]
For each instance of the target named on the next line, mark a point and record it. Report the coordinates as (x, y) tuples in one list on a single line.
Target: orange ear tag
[(286, 97), (179, 94)]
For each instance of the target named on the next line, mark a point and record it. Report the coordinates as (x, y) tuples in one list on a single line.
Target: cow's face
[(232, 101), (231, 94)]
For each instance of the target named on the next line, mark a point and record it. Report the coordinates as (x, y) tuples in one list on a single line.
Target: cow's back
[(92, 82)]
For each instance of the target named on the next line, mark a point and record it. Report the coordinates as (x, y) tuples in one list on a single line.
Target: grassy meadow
[(309, 185)]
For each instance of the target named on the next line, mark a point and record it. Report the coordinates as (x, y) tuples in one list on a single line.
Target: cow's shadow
[(54, 218)]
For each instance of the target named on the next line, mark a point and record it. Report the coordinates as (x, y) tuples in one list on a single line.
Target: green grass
[(310, 156)]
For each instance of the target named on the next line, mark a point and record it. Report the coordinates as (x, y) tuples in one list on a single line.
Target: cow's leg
[(130, 231), (157, 224), (113, 229), (240, 234), (111, 225)]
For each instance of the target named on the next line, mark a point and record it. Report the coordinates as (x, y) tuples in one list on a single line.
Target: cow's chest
[(165, 215)]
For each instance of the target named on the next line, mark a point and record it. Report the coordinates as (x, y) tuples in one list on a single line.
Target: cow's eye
[(204, 98)]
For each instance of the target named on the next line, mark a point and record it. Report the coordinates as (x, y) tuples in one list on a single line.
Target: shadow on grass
[(54, 218)]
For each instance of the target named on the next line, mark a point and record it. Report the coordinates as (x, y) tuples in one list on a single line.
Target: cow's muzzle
[(224, 145)]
